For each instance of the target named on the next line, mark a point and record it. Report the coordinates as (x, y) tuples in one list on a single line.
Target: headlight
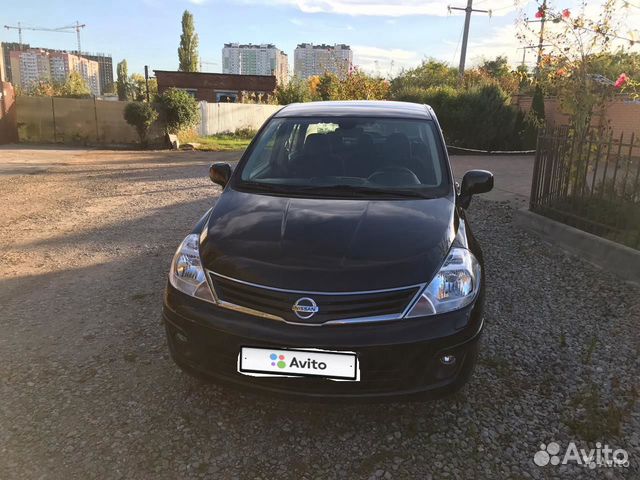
[(187, 274), (454, 286)]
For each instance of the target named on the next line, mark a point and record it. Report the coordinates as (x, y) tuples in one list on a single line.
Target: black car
[(337, 262)]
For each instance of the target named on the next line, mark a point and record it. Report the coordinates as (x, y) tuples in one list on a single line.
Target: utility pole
[(524, 51), (541, 38), (146, 80), (541, 45), (465, 35)]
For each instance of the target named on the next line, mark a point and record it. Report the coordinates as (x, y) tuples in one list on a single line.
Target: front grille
[(331, 306)]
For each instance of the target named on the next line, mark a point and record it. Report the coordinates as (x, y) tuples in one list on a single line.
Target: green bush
[(479, 117), (430, 73), (296, 91), (141, 116), (178, 110)]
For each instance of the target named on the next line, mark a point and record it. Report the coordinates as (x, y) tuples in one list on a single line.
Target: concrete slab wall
[(35, 119), (97, 122), (229, 117), (73, 121), (112, 127)]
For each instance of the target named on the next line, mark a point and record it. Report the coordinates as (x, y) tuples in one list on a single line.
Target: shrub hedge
[(478, 117)]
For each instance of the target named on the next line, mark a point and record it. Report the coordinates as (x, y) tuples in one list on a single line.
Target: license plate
[(294, 362)]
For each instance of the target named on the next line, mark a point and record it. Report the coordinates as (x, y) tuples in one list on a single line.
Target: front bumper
[(399, 358)]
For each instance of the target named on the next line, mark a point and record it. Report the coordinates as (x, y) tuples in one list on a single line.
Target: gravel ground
[(87, 388)]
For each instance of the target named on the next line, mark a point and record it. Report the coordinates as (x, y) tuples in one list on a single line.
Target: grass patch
[(586, 356), (596, 420), (225, 142)]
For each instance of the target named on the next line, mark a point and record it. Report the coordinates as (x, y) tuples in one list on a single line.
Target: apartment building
[(105, 62), (105, 68), (310, 60), (249, 59), (28, 67), (33, 65)]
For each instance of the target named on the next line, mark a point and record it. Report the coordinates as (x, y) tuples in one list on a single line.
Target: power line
[(455, 52), (465, 33)]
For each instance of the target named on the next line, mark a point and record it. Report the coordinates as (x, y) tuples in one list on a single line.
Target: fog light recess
[(448, 359)]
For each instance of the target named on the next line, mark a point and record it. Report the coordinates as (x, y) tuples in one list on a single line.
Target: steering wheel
[(394, 176)]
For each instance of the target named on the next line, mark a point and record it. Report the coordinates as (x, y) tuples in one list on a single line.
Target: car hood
[(324, 244)]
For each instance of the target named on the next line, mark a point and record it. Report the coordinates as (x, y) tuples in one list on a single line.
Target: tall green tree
[(75, 87), (188, 49), (496, 68), (122, 81)]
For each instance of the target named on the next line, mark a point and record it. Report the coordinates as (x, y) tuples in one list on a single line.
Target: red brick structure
[(216, 87), (622, 114), (8, 118)]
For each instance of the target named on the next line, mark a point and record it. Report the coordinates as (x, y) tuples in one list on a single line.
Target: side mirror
[(474, 182), (220, 173)]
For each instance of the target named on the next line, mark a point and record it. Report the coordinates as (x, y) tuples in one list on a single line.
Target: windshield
[(347, 156)]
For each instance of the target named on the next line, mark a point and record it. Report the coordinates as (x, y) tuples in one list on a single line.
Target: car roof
[(358, 108)]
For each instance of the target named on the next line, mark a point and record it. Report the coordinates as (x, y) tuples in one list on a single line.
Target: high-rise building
[(33, 65), (7, 48), (310, 60), (29, 67), (105, 68), (105, 62), (251, 59)]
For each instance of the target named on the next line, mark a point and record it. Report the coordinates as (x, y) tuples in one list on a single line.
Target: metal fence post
[(95, 114), (53, 115)]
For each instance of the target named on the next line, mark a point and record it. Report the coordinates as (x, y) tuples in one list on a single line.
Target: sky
[(385, 35)]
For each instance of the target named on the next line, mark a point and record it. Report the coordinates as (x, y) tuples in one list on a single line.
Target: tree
[(178, 110), (188, 49), (579, 43), (326, 88), (75, 87), (138, 87), (431, 73), (360, 86), (296, 91), (496, 68), (43, 88), (122, 81), (153, 89), (110, 88), (141, 116)]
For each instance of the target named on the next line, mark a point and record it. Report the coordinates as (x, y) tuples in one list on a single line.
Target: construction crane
[(67, 29)]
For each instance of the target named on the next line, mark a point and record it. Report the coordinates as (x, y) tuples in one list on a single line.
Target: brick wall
[(622, 114), (8, 119), (206, 85)]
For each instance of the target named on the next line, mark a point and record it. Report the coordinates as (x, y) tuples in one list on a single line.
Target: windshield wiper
[(335, 189), (359, 190), (265, 187)]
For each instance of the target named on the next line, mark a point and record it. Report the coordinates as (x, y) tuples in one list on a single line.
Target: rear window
[(381, 155)]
